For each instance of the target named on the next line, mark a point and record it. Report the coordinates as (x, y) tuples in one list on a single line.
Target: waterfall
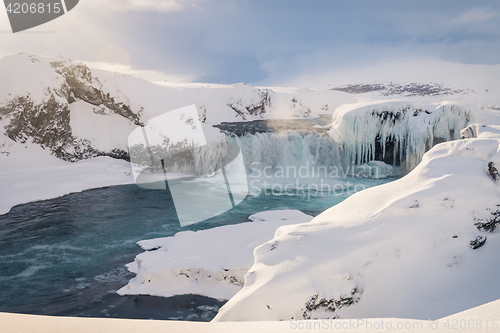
[(288, 149), (362, 142)]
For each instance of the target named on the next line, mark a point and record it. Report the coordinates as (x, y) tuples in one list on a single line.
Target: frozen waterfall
[(396, 133)]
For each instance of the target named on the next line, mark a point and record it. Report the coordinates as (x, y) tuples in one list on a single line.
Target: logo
[(26, 14), (205, 175)]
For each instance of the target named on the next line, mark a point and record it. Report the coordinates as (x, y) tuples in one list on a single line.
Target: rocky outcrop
[(257, 108), (46, 121)]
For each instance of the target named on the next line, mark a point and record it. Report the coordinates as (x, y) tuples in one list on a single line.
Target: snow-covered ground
[(480, 319), (28, 173)]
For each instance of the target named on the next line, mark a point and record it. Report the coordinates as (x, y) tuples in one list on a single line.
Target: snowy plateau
[(423, 247)]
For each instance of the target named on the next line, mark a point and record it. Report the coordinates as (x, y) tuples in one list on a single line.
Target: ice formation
[(396, 132)]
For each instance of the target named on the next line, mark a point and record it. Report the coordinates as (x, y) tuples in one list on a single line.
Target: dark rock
[(48, 123), (478, 242), (490, 224), (411, 89), (331, 305), (492, 171)]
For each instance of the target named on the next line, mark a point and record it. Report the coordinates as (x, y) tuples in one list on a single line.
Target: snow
[(215, 267), (401, 249), (477, 319), (29, 174), (374, 169), (104, 129)]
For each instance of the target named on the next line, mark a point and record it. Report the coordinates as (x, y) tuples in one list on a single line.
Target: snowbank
[(28, 173), (215, 267), (413, 248), (478, 319)]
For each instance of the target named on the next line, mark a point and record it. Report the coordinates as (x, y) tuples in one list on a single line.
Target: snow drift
[(215, 267)]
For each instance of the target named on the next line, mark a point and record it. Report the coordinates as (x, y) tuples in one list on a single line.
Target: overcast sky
[(230, 41)]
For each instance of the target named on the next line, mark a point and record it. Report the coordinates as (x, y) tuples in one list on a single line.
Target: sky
[(251, 41)]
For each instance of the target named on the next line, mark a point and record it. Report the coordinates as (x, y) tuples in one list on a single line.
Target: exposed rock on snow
[(478, 242), (407, 90), (43, 116), (258, 108), (492, 171), (491, 223)]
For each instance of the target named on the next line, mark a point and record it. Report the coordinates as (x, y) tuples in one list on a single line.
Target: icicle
[(411, 134)]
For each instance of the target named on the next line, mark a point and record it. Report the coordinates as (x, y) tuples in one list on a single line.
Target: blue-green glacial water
[(66, 256)]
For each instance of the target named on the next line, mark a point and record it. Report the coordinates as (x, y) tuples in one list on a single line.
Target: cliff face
[(43, 116)]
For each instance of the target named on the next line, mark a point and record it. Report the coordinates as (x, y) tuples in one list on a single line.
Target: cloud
[(149, 75), (474, 16), (248, 41)]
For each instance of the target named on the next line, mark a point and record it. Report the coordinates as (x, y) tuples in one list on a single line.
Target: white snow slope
[(215, 267), (402, 249)]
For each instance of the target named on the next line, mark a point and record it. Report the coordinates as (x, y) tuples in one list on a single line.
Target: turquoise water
[(66, 256)]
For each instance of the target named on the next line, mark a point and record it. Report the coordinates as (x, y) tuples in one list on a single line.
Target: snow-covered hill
[(77, 112), (424, 246)]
